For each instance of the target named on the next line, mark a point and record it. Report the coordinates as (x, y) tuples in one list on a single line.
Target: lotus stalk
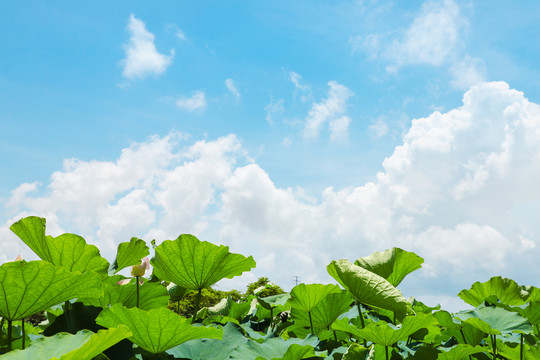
[(137, 271)]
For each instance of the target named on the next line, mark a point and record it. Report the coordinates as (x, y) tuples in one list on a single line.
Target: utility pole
[(296, 280)]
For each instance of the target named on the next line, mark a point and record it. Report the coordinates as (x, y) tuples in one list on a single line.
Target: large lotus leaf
[(367, 287), (195, 264), (513, 352), (84, 345), (382, 333), (356, 352), (419, 306), (68, 250), (459, 352), (531, 312), (392, 264), (500, 321), (445, 319), (155, 330), (236, 346), (29, 287), (176, 293), (325, 312), (298, 352), (228, 307), (128, 254), (506, 290), (275, 301), (306, 297), (151, 295)]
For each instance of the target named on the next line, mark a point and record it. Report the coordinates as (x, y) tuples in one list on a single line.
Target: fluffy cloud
[(229, 83), (328, 111), (195, 102), (142, 57), (460, 190)]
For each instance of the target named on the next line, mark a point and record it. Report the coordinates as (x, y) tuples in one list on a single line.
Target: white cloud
[(229, 83), (195, 102), (431, 39), (180, 35), (142, 57), (379, 128), (339, 129), (327, 110), (467, 72), (300, 89), (461, 191), (273, 109)]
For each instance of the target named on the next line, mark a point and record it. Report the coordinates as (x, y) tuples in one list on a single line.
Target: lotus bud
[(18, 258), (123, 282), (139, 270)]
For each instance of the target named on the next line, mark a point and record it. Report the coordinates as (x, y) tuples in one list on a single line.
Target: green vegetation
[(73, 304)]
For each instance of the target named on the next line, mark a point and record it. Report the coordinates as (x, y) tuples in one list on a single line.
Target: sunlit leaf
[(382, 333), (326, 311), (459, 352), (84, 345), (367, 287), (392, 264), (298, 352), (306, 297), (29, 287), (68, 250), (506, 290), (129, 254), (151, 295), (155, 330), (498, 320), (195, 264)]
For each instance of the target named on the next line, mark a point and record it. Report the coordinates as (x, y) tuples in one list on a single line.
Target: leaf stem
[(494, 345), (521, 348), (386, 351), (361, 320), (197, 303), (23, 334), (311, 322), (137, 278), (9, 334)]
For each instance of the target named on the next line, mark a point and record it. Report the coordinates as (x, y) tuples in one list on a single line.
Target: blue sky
[(340, 127)]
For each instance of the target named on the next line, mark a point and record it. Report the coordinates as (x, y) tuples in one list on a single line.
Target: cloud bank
[(460, 190)]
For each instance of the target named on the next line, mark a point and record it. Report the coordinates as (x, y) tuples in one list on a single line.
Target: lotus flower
[(140, 270)]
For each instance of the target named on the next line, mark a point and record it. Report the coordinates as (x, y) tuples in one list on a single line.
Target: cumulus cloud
[(460, 190), (328, 111), (229, 83), (142, 58), (195, 102)]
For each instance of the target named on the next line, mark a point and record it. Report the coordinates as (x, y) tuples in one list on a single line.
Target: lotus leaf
[(29, 287), (67, 250), (506, 290), (367, 287), (84, 345), (195, 264), (155, 330), (392, 264), (128, 254)]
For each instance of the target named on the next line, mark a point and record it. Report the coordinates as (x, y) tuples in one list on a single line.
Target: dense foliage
[(73, 304)]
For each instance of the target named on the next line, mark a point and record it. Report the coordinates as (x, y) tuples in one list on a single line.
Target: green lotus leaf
[(68, 250), (195, 264), (176, 293), (498, 320), (382, 333), (298, 352), (445, 319), (236, 346), (228, 307), (459, 352), (306, 297), (155, 330), (356, 352), (506, 290), (392, 264), (84, 345), (419, 306), (368, 288), (29, 287), (513, 352), (325, 312), (129, 254), (274, 301), (151, 295), (531, 312)]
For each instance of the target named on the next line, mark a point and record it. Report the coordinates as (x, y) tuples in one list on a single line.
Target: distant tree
[(263, 288)]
